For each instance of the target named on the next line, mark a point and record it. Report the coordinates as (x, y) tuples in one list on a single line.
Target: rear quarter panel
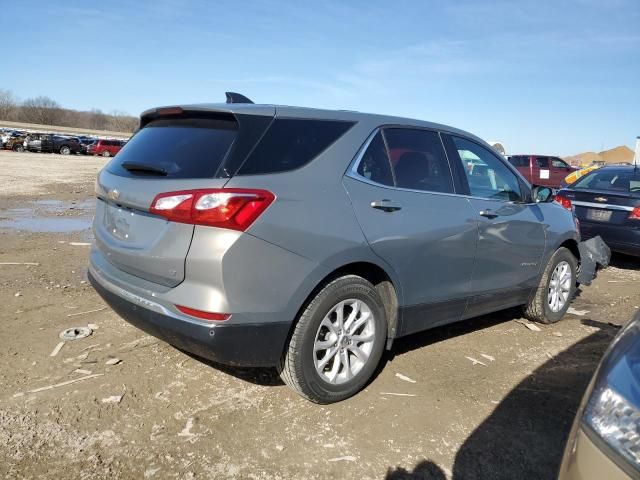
[(312, 215)]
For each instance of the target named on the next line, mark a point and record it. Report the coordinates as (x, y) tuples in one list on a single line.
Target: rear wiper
[(144, 168)]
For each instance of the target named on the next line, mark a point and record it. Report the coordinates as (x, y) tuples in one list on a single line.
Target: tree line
[(46, 111)]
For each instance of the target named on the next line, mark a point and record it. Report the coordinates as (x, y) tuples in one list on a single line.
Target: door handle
[(488, 213), (386, 205)]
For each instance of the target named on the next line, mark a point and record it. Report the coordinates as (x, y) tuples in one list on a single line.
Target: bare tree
[(8, 104), (122, 122), (97, 119), (43, 110)]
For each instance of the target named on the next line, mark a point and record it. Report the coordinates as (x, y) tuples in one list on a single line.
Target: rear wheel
[(106, 153), (18, 148), (337, 342), (65, 150), (556, 289)]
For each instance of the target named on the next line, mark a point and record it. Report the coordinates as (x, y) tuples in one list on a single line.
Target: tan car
[(16, 143), (604, 443)]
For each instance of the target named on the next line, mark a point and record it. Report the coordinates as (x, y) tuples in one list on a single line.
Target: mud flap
[(594, 255)]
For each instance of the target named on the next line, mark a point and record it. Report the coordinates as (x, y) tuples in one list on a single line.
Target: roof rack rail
[(233, 97)]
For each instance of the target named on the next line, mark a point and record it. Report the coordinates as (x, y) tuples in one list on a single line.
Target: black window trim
[(352, 169)]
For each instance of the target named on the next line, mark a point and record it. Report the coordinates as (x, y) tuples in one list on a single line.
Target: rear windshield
[(292, 143), (177, 148), (612, 180)]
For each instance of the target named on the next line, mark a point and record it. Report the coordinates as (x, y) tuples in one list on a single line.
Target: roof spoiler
[(233, 97)]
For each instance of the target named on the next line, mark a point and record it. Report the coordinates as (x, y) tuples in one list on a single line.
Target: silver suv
[(261, 235)]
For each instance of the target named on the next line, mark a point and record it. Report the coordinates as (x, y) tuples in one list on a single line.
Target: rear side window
[(177, 148), (292, 143), (418, 160), (519, 161), (542, 162)]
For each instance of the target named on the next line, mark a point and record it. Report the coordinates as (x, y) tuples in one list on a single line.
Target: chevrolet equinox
[(262, 235)]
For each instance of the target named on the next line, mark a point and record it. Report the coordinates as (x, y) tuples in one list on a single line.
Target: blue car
[(607, 203)]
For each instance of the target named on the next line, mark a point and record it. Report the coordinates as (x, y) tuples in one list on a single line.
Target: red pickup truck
[(542, 169)]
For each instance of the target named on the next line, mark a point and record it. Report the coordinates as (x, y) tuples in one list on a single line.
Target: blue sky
[(557, 77)]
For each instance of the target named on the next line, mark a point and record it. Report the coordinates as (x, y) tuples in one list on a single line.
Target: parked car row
[(20, 141)]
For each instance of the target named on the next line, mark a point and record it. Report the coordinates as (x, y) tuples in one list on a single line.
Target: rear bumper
[(594, 254), (255, 345)]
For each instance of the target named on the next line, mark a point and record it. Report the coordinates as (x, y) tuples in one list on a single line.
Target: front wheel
[(556, 289), (65, 150), (337, 341), (106, 153), (18, 148)]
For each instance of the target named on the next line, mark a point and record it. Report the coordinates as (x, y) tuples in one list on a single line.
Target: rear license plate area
[(598, 215), (120, 222)]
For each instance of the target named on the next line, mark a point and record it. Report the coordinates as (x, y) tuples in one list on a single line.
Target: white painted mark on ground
[(405, 378)]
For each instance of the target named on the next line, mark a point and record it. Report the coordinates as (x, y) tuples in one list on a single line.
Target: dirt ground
[(431, 412)]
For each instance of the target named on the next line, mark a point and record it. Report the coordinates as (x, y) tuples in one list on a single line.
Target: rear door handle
[(386, 205), (488, 213)]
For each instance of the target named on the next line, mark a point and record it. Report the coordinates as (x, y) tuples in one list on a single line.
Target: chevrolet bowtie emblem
[(600, 199)]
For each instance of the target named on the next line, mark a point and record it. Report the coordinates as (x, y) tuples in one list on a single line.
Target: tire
[(65, 150), (299, 367), (541, 307), (106, 153), (18, 148)]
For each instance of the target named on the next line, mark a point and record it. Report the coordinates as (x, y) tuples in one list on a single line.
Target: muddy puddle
[(50, 216)]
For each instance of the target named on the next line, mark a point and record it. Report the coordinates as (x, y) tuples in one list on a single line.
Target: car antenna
[(636, 157), (233, 97)]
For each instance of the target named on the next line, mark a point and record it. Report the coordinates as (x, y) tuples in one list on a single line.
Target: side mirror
[(541, 194)]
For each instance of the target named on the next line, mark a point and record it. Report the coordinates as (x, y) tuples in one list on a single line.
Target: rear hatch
[(175, 150)]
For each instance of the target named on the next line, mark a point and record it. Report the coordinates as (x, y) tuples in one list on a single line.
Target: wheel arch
[(386, 285), (571, 244)]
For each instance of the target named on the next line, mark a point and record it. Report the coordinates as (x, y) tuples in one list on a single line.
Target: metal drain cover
[(75, 333)]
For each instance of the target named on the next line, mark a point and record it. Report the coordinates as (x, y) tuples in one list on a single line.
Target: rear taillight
[(564, 201), (635, 214), (231, 208), (202, 315)]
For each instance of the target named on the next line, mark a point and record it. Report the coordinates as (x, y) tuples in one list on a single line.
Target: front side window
[(557, 163), (487, 176), (418, 160)]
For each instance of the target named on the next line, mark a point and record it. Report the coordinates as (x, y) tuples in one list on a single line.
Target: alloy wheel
[(344, 341), (559, 286)]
